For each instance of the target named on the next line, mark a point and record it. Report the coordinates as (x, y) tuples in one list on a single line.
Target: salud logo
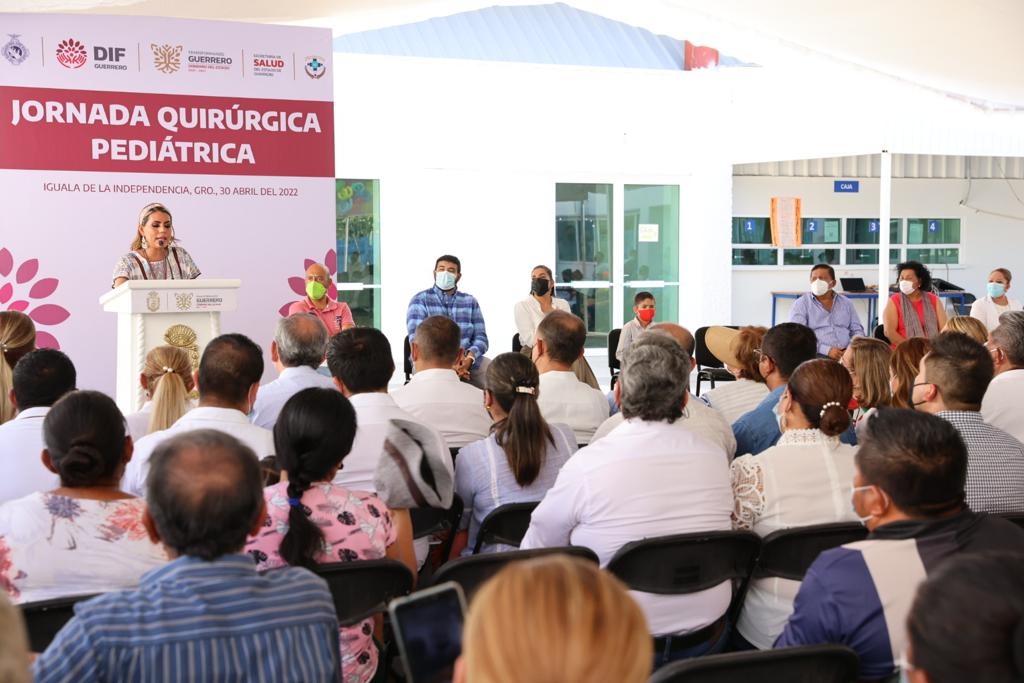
[(15, 51), (166, 58), (315, 67), (71, 54)]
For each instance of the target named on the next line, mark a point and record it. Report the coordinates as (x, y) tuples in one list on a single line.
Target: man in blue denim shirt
[(445, 300), (783, 349)]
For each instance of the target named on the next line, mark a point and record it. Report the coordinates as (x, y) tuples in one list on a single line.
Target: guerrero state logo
[(15, 51), (71, 54), (166, 58)]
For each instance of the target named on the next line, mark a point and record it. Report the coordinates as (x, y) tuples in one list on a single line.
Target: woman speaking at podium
[(153, 255)]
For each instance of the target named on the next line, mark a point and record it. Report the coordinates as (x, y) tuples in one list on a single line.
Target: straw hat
[(719, 342)]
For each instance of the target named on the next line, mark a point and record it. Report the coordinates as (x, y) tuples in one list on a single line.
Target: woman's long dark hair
[(84, 433), (313, 434), (524, 435)]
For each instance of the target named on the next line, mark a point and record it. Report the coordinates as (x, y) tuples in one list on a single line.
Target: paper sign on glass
[(648, 232), (786, 221)]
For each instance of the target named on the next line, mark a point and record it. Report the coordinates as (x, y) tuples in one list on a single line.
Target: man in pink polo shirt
[(337, 316)]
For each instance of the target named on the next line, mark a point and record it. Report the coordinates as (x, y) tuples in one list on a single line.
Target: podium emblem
[(183, 301), (153, 302), (184, 337)]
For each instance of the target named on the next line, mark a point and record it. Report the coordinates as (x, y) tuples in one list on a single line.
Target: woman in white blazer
[(996, 302)]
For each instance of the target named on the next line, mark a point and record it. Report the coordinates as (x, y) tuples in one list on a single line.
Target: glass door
[(583, 255), (358, 236), (651, 248)]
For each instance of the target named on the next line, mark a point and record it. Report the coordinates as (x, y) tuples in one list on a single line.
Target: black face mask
[(540, 286)]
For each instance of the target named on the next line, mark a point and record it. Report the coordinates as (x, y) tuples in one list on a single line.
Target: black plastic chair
[(613, 363), (1015, 517), (407, 359), (473, 571), (709, 368), (880, 334), (516, 344), (363, 588), (45, 618), (808, 664), (431, 521), (505, 524), (789, 553), (687, 563)]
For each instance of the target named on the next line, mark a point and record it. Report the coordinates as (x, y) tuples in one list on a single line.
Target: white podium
[(182, 313)]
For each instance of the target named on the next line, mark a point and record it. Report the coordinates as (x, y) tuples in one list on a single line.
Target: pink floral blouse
[(356, 526), (53, 546)]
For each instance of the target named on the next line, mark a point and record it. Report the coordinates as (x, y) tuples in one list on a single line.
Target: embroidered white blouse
[(177, 266), (805, 479)]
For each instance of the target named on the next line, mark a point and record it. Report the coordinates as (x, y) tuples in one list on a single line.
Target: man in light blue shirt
[(783, 349), (831, 316)]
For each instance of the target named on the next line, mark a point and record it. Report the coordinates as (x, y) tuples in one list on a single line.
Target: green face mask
[(315, 290)]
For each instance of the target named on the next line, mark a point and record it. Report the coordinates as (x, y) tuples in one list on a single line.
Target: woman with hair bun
[(86, 536), (806, 478), (17, 337), (313, 521), (520, 459), (167, 380)]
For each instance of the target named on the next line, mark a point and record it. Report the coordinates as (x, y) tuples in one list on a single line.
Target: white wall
[(988, 241)]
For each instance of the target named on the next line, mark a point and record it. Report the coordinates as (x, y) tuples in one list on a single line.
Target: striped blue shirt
[(193, 620), (460, 307)]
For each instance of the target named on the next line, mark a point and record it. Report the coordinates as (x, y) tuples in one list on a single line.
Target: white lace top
[(806, 478)]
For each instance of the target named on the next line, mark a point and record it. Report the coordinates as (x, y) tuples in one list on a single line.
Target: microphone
[(161, 243)]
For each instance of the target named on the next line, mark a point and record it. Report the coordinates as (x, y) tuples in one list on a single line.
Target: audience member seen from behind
[(314, 521), (913, 311), (831, 316), (909, 490), (435, 396), (643, 315), (737, 349), (868, 360), (1002, 406), (990, 588), (802, 480), (17, 337), (189, 618), (40, 378), (951, 383), (697, 417), (86, 535), (298, 349), (15, 662), (228, 379), (531, 310), (167, 380), (965, 324), (995, 302), (563, 398), (783, 349), (903, 367), (649, 477), (520, 459), (561, 619)]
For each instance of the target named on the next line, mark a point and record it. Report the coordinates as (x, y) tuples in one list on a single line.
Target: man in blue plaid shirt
[(444, 299)]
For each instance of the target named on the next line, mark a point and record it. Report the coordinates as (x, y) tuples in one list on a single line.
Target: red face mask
[(646, 314)]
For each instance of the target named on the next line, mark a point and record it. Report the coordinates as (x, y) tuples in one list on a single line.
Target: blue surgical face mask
[(995, 289), (444, 280)]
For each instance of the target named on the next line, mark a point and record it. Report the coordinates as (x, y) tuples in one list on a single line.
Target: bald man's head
[(677, 332), (319, 272), (204, 493)]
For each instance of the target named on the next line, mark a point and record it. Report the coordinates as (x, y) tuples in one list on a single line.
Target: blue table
[(872, 298)]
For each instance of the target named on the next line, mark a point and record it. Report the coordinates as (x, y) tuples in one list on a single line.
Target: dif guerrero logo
[(71, 54)]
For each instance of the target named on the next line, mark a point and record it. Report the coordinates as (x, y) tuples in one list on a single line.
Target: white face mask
[(779, 417), (819, 287), (863, 520), (906, 286), (444, 280)]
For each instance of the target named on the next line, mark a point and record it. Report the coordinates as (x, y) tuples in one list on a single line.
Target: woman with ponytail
[(313, 521), (86, 536), (167, 380), (806, 478), (520, 459), (17, 337)]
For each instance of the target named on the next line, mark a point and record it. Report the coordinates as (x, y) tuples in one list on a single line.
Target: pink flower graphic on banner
[(21, 291), (298, 284)]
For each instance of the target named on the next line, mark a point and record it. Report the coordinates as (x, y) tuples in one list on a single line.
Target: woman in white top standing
[(996, 302), (86, 536), (167, 380), (737, 349), (805, 479), (531, 310)]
